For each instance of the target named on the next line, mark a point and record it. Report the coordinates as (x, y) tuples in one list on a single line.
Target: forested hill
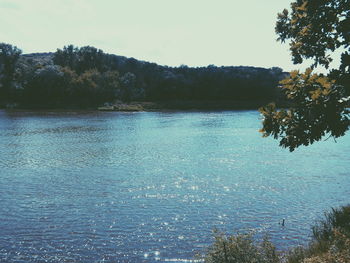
[(88, 77)]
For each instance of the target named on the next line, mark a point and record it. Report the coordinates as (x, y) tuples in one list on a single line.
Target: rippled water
[(142, 187)]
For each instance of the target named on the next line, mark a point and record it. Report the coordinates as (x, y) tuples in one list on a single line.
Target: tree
[(9, 56), (66, 57), (316, 30), (45, 87), (129, 90), (109, 84), (81, 59)]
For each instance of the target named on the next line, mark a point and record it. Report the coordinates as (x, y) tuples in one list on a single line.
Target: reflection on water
[(140, 187)]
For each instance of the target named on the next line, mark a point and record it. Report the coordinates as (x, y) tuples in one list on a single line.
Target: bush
[(241, 249), (331, 240), (330, 244), (337, 219)]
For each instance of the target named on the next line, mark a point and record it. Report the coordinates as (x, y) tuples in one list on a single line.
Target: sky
[(167, 32)]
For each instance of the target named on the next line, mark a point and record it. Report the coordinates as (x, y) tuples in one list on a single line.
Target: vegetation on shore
[(330, 244), (87, 77)]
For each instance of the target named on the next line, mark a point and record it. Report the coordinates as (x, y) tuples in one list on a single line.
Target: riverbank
[(182, 105), (191, 105)]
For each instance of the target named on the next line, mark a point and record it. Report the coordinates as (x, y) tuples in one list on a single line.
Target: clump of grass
[(241, 249), (338, 220), (331, 240), (330, 244)]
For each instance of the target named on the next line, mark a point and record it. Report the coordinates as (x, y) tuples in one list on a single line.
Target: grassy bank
[(330, 244)]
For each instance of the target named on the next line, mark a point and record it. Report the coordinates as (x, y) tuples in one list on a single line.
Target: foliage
[(9, 56), (44, 86), (241, 249), (319, 108), (81, 59), (336, 222), (86, 77), (142, 80), (330, 244), (93, 88), (316, 29), (128, 90), (331, 240)]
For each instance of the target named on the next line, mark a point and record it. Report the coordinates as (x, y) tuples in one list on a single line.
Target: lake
[(152, 186)]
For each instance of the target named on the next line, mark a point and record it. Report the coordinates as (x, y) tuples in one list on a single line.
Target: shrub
[(331, 240), (330, 244), (241, 248)]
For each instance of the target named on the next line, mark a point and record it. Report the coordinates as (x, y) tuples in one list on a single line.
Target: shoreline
[(183, 105), (150, 106)]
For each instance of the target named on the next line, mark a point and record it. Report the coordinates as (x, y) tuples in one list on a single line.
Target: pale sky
[(167, 32)]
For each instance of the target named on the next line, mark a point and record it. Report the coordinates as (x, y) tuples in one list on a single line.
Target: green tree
[(81, 59), (109, 84), (316, 30), (127, 89), (45, 88), (9, 56), (66, 57)]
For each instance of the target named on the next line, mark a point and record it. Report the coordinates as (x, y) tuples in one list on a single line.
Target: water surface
[(146, 187)]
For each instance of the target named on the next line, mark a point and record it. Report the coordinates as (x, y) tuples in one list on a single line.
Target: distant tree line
[(86, 77)]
